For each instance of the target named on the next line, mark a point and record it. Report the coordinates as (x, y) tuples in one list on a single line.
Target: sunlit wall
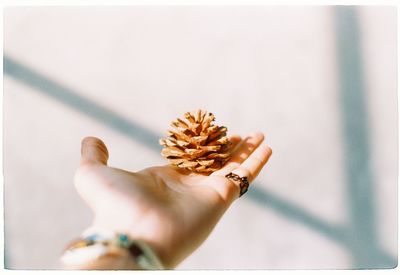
[(320, 82)]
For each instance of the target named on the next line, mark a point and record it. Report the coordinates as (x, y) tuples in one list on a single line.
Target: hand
[(169, 208)]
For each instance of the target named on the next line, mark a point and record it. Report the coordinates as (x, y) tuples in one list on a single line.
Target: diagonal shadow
[(72, 99), (338, 234), (80, 103), (357, 154), (289, 210)]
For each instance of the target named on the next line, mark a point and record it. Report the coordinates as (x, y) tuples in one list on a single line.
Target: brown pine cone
[(196, 144)]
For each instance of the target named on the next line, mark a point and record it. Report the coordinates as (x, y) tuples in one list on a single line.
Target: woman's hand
[(172, 210)]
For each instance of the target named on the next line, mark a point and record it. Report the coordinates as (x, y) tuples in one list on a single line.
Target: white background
[(273, 69)]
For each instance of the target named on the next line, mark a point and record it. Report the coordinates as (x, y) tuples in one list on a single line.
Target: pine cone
[(196, 144)]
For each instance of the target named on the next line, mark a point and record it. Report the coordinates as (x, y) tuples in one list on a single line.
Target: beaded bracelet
[(93, 246)]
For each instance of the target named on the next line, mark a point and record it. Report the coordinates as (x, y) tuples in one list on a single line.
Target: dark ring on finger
[(243, 182)]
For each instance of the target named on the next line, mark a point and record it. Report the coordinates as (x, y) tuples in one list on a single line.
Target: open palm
[(171, 209)]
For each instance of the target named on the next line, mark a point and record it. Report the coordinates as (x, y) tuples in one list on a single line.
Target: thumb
[(93, 150)]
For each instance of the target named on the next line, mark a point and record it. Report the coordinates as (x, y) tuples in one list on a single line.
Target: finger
[(245, 148), (235, 140), (93, 150), (252, 166)]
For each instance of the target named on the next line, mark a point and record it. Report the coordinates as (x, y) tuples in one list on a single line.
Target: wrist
[(165, 251), (105, 249), (107, 262)]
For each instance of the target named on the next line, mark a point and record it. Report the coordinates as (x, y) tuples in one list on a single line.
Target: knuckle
[(229, 191), (264, 153), (259, 135), (245, 171), (232, 165), (259, 159)]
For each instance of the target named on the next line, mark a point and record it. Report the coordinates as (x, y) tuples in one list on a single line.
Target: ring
[(243, 182)]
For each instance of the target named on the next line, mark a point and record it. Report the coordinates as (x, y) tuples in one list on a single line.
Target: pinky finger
[(252, 166)]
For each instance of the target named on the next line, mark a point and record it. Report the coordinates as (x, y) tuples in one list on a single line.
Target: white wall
[(273, 69)]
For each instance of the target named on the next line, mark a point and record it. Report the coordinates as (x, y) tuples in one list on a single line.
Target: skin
[(169, 208)]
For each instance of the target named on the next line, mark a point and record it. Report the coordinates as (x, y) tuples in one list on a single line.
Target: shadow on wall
[(362, 234), (359, 236)]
